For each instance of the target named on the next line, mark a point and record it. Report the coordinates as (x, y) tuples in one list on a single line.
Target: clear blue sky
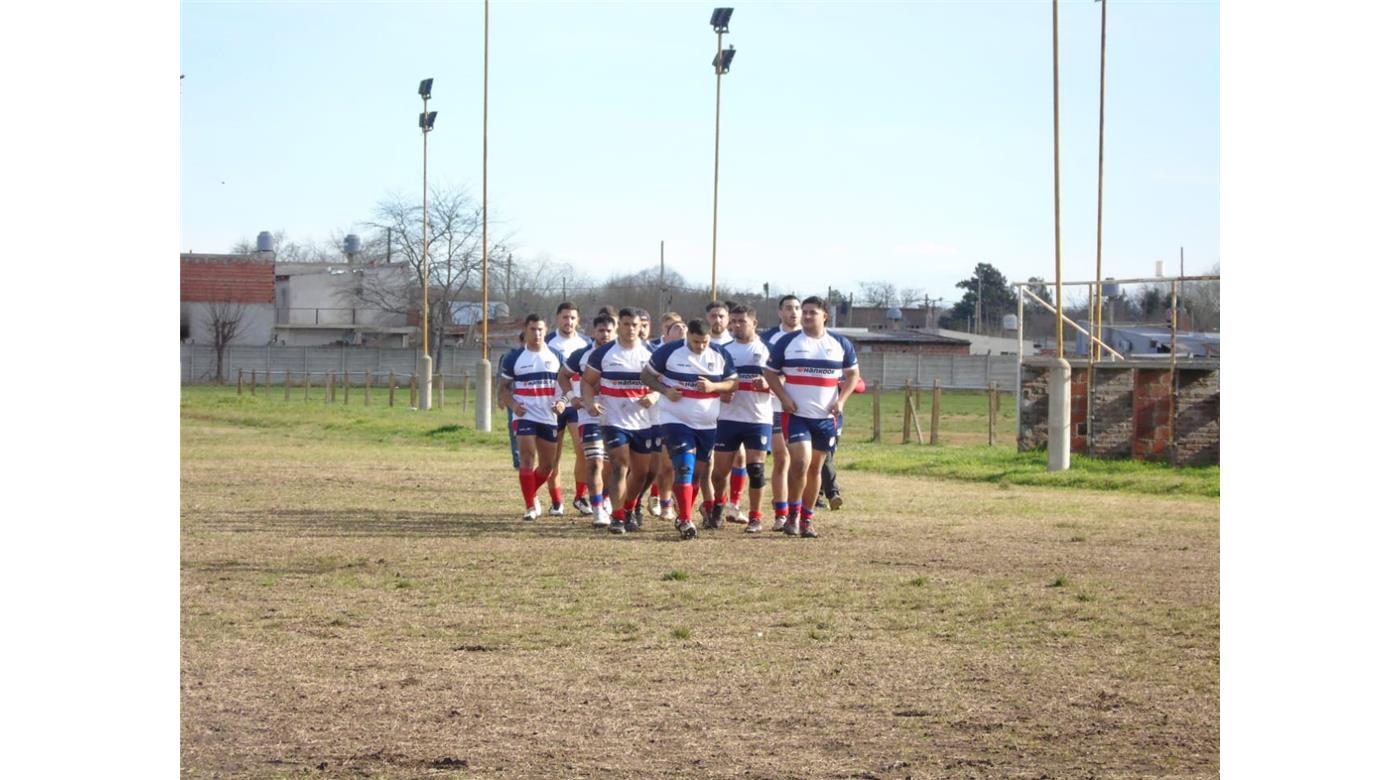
[(859, 142)]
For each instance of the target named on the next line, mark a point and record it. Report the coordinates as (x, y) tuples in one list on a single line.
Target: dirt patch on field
[(383, 612)]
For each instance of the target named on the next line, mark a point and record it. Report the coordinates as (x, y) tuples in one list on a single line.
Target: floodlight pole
[(484, 384), (714, 217), (425, 361)]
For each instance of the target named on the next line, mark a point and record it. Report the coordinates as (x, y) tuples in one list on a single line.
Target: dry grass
[(355, 609)]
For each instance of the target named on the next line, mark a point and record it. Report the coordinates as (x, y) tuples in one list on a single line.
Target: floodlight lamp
[(425, 121), (723, 60), (425, 89), (719, 19)]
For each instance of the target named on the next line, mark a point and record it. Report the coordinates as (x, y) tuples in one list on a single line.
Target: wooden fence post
[(908, 410), (466, 390), (345, 377), (367, 377), (306, 386), (875, 411), (413, 391), (991, 413), (253, 385), (240, 381), (287, 387), (393, 385), (933, 417)]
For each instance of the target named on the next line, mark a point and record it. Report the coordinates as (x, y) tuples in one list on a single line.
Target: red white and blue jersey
[(567, 346), (534, 381), (720, 340), (812, 369), (680, 368), (771, 336), (749, 405), (577, 362), (621, 386)]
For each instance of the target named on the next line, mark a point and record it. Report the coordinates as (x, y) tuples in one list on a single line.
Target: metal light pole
[(484, 386), (1059, 427), (1096, 292), (719, 21), (425, 361)]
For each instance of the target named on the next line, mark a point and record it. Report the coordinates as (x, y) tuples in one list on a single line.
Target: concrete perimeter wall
[(890, 369), (1131, 406)]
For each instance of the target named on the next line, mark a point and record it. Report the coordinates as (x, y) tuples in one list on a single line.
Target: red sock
[(630, 505), (580, 490), (736, 487), (655, 490), (755, 515), (685, 497), (528, 486), (542, 478)]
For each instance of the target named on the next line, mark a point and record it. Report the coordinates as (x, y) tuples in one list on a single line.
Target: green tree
[(996, 297)]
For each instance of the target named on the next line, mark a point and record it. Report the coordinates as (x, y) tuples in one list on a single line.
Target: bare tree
[(878, 294), (225, 322), (1201, 300), (289, 251), (912, 296), (453, 260)]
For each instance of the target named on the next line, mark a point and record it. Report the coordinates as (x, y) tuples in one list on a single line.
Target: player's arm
[(588, 388), (851, 377), (775, 383), (653, 380), (565, 382)]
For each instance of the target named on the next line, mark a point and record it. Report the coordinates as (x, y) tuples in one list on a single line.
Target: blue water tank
[(352, 244), (893, 313), (264, 241), (1110, 289)]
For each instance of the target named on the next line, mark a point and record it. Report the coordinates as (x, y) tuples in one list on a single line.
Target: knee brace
[(755, 471), (684, 464), (593, 450)]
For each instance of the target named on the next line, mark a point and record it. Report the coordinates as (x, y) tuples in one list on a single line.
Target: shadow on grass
[(380, 523)]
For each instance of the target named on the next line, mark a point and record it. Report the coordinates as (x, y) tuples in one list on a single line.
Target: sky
[(900, 142)]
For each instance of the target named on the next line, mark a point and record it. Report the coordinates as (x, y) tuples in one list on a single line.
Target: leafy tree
[(996, 296)]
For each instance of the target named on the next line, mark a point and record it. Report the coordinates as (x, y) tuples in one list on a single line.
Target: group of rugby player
[(680, 412)]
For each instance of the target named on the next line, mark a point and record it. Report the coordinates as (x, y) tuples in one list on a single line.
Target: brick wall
[(1132, 410), (230, 278)]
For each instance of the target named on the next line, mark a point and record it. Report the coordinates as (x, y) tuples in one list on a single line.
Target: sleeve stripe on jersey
[(811, 363)]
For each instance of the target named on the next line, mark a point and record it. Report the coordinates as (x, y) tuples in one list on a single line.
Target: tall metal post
[(661, 287), (714, 216), (425, 361), (484, 386), (1059, 424), (1096, 292)]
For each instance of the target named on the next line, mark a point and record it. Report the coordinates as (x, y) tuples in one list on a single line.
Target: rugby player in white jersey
[(690, 375), (590, 428), (663, 502), (652, 462), (612, 389), (527, 386), (717, 317), (745, 415), (789, 321), (566, 340), (812, 373)]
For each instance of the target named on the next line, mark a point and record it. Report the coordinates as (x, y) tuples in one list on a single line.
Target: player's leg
[(778, 445), (665, 483), (593, 453), (823, 440), (736, 473), (681, 446), (704, 449), (830, 489), (529, 459), (616, 441), (799, 449), (640, 453), (755, 453), (580, 469)]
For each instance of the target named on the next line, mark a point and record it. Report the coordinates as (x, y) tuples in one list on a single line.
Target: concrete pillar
[(1059, 415), (485, 393), (425, 382)]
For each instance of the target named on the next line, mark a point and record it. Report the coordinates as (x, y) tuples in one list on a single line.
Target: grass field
[(360, 599)]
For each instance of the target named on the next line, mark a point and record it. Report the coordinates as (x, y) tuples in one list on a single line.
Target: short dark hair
[(712, 305), (565, 306), (816, 301), (698, 327), (626, 312), (609, 311), (730, 305), (738, 309), (786, 298), (529, 318), (643, 314), (604, 319)]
